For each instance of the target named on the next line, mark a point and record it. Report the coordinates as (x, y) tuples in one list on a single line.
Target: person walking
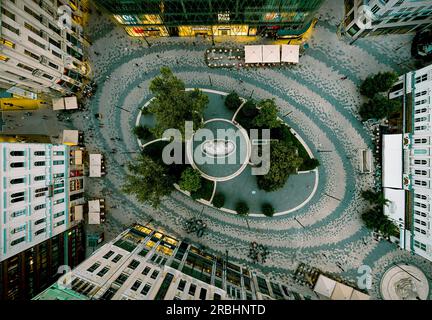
[(344, 78)]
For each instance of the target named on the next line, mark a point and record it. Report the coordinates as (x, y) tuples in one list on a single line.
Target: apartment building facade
[(143, 263), (375, 17), (414, 196), (42, 46), (35, 190)]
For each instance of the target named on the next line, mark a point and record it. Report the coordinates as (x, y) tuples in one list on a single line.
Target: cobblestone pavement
[(323, 110)]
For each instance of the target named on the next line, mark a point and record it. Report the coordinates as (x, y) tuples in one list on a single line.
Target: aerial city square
[(216, 150)]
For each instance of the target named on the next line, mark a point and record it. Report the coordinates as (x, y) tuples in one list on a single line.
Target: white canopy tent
[(392, 161), (58, 104), (342, 292), (71, 103), (324, 286), (94, 212), (70, 137), (95, 165), (67, 103), (271, 54), (78, 211), (290, 53), (253, 54), (357, 295), (395, 209)]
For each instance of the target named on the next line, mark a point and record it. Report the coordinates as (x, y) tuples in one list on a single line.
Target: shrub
[(219, 200), (190, 180), (142, 132), (267, 209), (309, 164), (232, 101), (378, 107), (380, 82), (242, 208), (206, 190)]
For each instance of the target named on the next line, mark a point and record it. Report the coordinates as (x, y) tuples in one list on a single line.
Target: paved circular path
[(321, 106)]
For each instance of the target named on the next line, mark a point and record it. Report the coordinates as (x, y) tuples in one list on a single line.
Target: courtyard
[(327, 231)]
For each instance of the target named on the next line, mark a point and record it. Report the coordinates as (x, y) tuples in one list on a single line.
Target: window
[(419, 128), (146, 289), (109, 294), (58, 162), (419, 94), (103, 271), (40, 221), (121, 279), (117, 258), (420, 172), (18, 229), (421, 205), (39, 163), (32, 29), (181, 285), (136, 285), (420, 183), (17, 241), (52, 65), (16, 153), (39, 178), (17, 164), (55, 43), (10, 28), (59, 214), (422, 140), (108, 254), (421, 78), (39, 206), (58, 224), (422, 162), (419, 102), (58, 153), (39, 153), (203, 294), (192, 289), (17, 181), (33, 14), (94, 267), (133, 264), (54, 28), (49, 77), (420, 196), (18, 213), (41, 189), (146, 270), (39, 44), (216, 296), (15, 200), (58, 201), (8, 14), (422, 110), (40, 231), (154, 274)]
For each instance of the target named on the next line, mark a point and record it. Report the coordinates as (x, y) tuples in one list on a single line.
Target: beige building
[(42, 46)]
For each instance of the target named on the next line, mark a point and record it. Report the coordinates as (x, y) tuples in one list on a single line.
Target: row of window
[(36, 163)]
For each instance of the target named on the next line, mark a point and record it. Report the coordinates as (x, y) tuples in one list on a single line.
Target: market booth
[(66, 103), (290, 53), (96, 165)]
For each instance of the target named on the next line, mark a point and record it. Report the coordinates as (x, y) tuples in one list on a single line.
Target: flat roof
[(70, 137), (58, 104), (290, 53), (71, 103), (392, 161), (324, 286), (253, 54), (271, 54), (395, 209), (95, 165)]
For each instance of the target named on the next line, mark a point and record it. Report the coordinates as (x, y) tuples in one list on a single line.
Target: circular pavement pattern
[(327, 233)]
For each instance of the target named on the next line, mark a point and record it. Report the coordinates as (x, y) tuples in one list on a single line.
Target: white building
[(34, 195), (146, 264), (41, 46), (375, 17), (411, 196)]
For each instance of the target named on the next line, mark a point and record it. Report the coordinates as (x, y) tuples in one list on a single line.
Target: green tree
[(380, 82), (310, 164), (148, 181), (375, 198), (172, 105), (378, 107), (190, 180), (375, 219), (232, 101), (267, 209), (242, 208), (267, 115), (219, 200), (142, 132), (284, 160)]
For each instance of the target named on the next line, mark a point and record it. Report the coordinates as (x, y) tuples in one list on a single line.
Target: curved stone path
[(323, 113)]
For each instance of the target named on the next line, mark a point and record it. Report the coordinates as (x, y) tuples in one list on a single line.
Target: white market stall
[(253, 54), (95, 166), (290, 53), (71, 137), (94, 212), (271, 54), (66, 103)]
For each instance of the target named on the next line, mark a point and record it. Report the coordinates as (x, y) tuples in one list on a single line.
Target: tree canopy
[(267, 209), (190, 180), (242, 208), (148, 181), (232, 101), (378, 107), (267, 115), (218, 200), (172, 105), (284, 160), (380, 82)]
